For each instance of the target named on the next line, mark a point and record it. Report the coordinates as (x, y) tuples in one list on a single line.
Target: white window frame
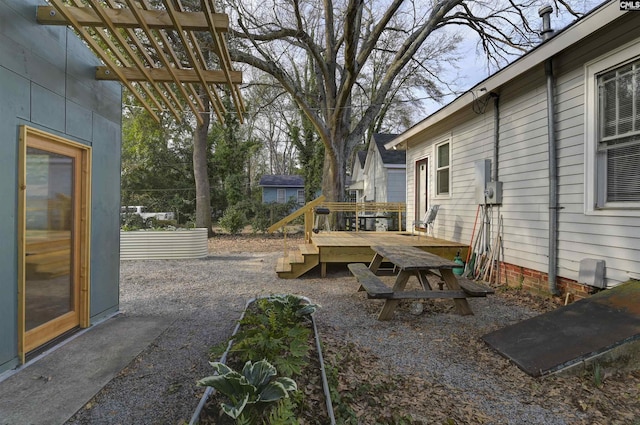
[(281, 196), (614, 59), (437, 168), (300, 196)]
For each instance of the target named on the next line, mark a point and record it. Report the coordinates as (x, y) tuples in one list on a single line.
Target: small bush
[(131, 222), (233, 220)]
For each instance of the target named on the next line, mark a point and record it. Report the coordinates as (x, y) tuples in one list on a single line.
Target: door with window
[(422, 189), (53, 277)]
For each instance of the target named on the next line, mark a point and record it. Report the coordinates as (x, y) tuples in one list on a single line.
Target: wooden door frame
[(419, 215), (81, 225)]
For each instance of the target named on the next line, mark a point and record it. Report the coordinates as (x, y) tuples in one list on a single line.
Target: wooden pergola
[(162, 55)]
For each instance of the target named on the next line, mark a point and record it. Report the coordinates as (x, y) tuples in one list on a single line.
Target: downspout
[(496, 134), (545, 12)]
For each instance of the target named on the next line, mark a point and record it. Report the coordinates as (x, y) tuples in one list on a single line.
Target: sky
[(472, 68)]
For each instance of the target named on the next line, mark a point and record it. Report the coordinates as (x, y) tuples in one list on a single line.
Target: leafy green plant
[(276, 330), (233, 220), (249, 391), (130, 222)]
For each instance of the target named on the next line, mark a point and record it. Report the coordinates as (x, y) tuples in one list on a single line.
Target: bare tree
[(363, 53)]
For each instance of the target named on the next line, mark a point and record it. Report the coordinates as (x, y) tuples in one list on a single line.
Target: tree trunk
[(200, 173), (333, 176)]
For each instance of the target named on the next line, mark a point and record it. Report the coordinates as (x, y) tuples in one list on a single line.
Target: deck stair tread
[(283, 266), (298, 261), (296, 257), (308, 249)]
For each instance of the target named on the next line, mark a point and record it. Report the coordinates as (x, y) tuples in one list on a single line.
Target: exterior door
[(54, 250), (422, 188)]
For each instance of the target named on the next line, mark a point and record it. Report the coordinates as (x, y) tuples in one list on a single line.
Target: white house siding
[(375, 185), (523, 169), (396, 185), (471, 140), (614, 239)]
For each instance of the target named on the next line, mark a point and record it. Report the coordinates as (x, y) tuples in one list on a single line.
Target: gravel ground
[(203, 298)]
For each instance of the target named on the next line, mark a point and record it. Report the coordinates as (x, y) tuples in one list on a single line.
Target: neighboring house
[(282, 188), (60, 184), (384, 173), (355, 185), (586, 79)]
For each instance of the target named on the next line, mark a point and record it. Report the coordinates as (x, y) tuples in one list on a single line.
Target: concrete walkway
[(51, 389)]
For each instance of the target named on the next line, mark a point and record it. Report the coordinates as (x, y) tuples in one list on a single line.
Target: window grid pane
[(619, 102), (619, 143), (623, 184), (442, 169)]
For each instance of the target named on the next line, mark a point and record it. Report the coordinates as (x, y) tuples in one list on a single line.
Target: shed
[(281, 188)]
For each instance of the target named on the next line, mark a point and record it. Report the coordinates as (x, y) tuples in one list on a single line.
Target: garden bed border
[(223, 359)]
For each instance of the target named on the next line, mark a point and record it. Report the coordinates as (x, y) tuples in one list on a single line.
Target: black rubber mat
[(570, 334)]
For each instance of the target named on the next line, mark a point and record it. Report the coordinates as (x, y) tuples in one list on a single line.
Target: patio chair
[(427, 221)]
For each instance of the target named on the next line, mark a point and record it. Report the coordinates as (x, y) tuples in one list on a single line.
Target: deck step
[(308, 249), (283, 265), (297, 263), (296, 257)]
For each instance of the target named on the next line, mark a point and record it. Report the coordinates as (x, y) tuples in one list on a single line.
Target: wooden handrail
[(305, 209)]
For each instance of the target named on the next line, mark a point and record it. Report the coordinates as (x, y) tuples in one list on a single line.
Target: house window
[(300, 196), (613, 133), (281, 196), (443, 169)]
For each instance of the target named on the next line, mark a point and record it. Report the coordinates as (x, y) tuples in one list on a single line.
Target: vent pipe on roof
[(545, 14)]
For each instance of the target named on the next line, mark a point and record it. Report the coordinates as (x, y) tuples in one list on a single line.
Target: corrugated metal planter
[(163, 244), (223, 359)]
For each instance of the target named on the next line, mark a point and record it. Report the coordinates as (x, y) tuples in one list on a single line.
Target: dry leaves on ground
[(369, 393)]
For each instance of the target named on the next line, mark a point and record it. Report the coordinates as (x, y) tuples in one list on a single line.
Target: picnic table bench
[(411, 261)]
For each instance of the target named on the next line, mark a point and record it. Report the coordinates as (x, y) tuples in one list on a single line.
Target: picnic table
[(411, 261)]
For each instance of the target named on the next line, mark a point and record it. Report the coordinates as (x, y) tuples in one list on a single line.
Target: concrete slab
[(53, 388), (569, 335)]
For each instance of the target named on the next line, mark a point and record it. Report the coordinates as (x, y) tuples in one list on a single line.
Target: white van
[(143, 212)]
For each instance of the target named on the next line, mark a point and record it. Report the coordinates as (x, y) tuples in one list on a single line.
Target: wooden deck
[(355, 247)]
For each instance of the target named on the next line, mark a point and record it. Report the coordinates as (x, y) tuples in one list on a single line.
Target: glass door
[(53, 251)]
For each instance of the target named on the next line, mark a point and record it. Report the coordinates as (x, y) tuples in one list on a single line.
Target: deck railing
[(307, 210), (364, 209), (358, 210)]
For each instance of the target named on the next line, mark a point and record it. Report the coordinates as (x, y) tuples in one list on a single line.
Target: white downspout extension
[(547, 32)]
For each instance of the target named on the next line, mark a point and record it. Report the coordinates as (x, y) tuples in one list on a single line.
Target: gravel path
[(203, 298)]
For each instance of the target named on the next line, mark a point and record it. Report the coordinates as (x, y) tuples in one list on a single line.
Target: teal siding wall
[(47, 82), (270, 194)]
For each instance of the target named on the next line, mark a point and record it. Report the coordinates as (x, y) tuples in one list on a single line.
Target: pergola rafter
[(137, 44)]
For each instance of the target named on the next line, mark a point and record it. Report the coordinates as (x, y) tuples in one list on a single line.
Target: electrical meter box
[(493, 193), (486, 191)]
